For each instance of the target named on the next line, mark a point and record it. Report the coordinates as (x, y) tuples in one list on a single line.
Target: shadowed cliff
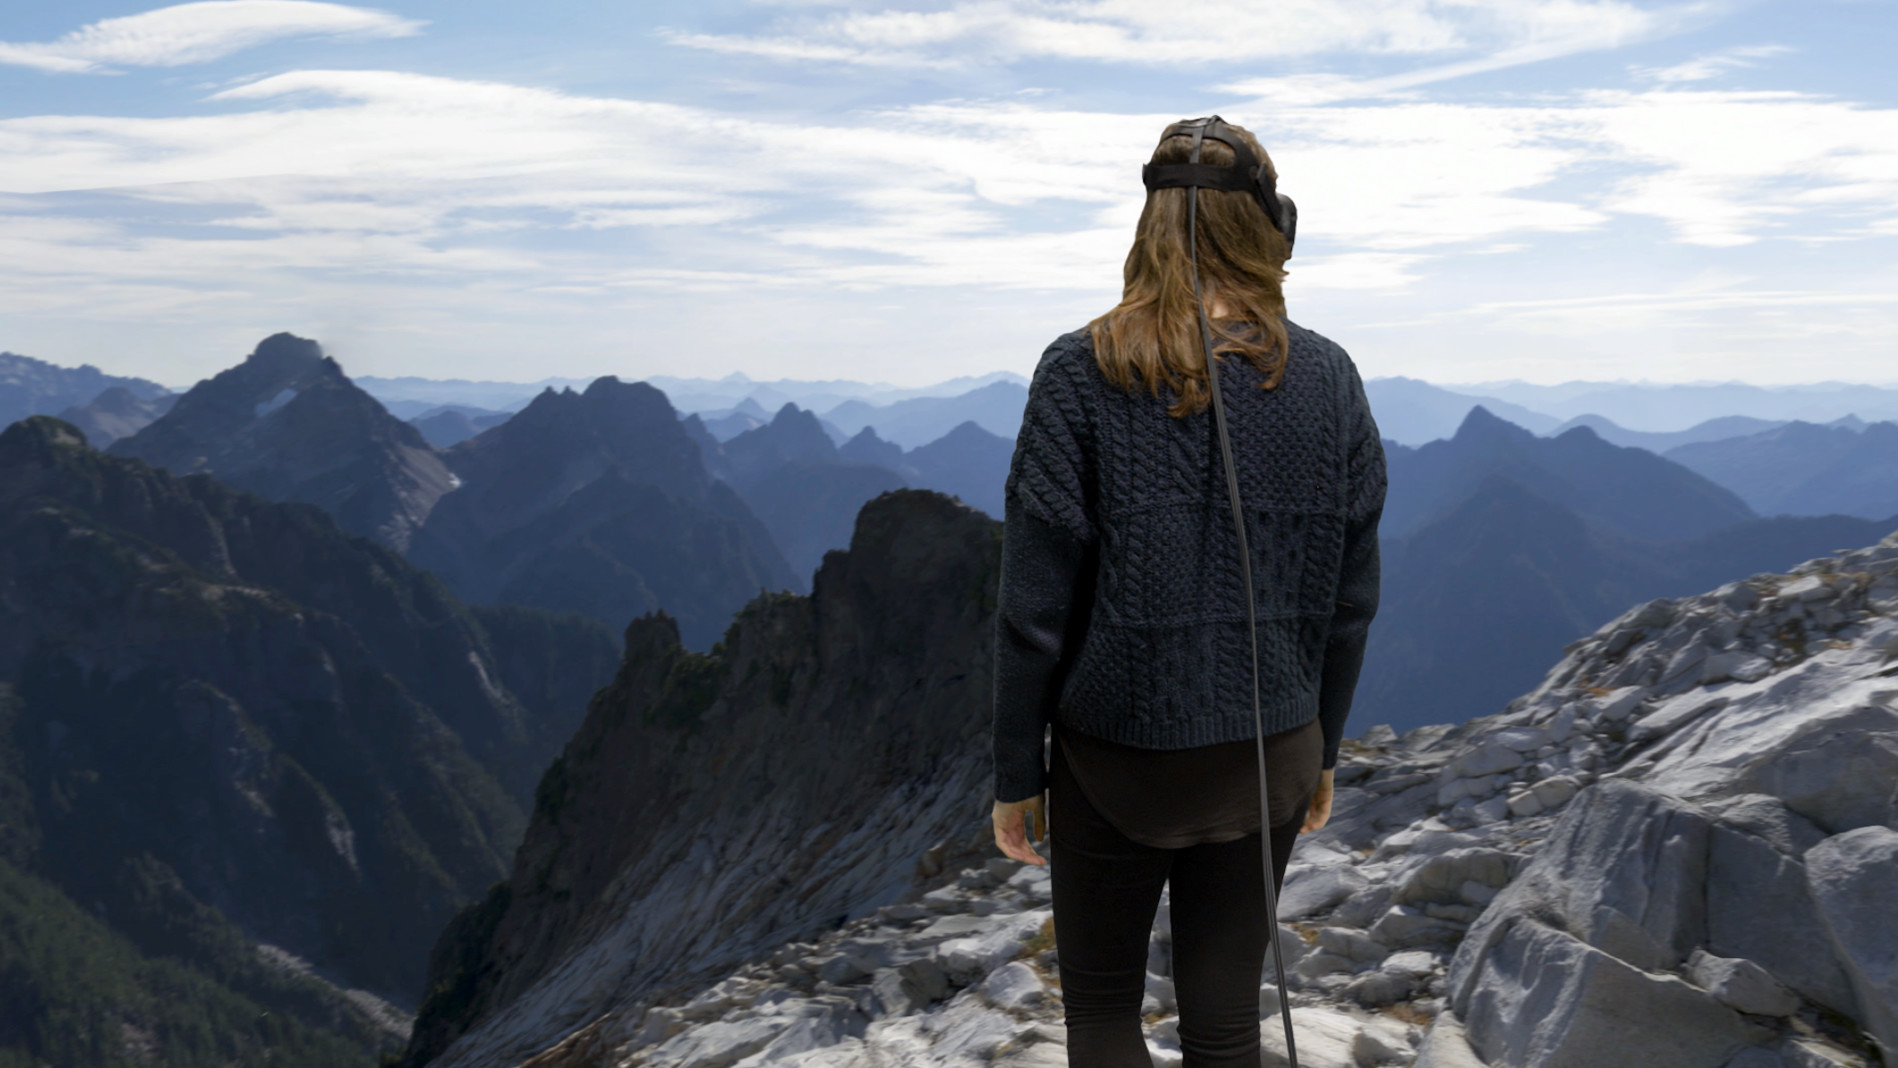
[(713, 807)]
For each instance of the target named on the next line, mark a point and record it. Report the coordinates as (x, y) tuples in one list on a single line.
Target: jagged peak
[(639, 399), (1483, 424), (287, 351), (968, 429), (803, 419)]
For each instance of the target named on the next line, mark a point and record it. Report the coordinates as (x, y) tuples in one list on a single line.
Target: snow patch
[(282, 398)]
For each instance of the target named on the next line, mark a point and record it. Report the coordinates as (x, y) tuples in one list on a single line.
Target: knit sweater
[(1122, 609)]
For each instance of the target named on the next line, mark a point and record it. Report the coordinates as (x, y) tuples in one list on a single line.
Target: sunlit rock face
[(1676, 850)]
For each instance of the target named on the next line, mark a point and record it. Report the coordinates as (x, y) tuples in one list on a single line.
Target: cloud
[(198, 33), (395, 179), (1704, 68), (1150, 32), (1727, 168)]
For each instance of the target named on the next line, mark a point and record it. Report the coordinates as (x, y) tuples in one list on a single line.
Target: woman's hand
[(1319, 813), (1009, 835)]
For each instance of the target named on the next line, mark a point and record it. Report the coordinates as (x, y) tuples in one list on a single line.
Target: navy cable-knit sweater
[(1122, 611)]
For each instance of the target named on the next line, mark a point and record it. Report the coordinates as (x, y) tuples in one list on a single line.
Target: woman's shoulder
[(1065, 357), (1078, 342), (1303, 337)]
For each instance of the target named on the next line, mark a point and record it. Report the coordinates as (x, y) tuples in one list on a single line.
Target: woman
[(1122, 621)]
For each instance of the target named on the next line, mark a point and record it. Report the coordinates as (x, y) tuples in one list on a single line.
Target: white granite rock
[(1525, 803), (1446, 1045), (1326, 1038), (1741, 983), (1014, 986), (1540, 998), (967, 959), (1486, 758), (1313, 890), (719, 1043), (1160, 989), (1352, 945), (1624, 869), (1759, 906), (1853, 876), (1839, 771)]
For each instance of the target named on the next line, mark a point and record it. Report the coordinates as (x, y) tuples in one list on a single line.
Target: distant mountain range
[(410, 396), (1633, 490), (1663, 405), (35, 387), (808, 490), (1500, 547), (1803, 468)]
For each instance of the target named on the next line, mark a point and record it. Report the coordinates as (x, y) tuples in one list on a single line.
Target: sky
[(1537, 190)]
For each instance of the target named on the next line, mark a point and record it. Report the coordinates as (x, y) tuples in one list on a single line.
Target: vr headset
[(1248, 174)]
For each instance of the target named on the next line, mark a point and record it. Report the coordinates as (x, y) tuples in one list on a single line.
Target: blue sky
[(1544, 190)]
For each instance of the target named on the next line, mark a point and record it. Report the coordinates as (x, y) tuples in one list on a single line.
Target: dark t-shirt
[(1169, 798)]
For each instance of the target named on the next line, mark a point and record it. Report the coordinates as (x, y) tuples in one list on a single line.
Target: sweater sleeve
[(1045, 595), (1358, 578)]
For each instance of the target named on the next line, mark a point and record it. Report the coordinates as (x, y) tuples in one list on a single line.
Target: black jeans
[(1106, 891)]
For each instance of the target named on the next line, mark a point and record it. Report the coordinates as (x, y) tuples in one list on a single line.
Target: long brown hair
[(1152, 335)]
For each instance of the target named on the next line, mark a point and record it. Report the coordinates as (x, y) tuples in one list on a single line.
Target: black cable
[(1252, 623)]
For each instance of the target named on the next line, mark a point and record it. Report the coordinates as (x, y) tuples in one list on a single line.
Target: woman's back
[(1162, 662)]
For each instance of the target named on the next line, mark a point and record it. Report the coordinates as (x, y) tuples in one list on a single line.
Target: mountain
[(807, 489), (1412, 411), (715, 395), (1670, 405), (1800, 468), (408, 396), (1675, 848), (115, 413), (1478, 600), (245, 742), (287, 424), (599, 503), (968, 462), (1726, 426), (452, 424), (727, 423), (1632, 490), (865, 447), (36, 387), (715, 807), (996, 408), (790, 473), (793, 434)]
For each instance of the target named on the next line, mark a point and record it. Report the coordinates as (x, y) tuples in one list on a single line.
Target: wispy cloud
[(198, 33), (1156, 32), (1704, 68), (443, 175)]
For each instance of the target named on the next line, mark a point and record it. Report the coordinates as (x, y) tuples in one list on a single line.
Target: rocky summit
[(287, 424), (1678, 851)]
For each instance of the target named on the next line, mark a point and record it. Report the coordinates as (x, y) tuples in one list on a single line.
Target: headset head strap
[(1246, 174)]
